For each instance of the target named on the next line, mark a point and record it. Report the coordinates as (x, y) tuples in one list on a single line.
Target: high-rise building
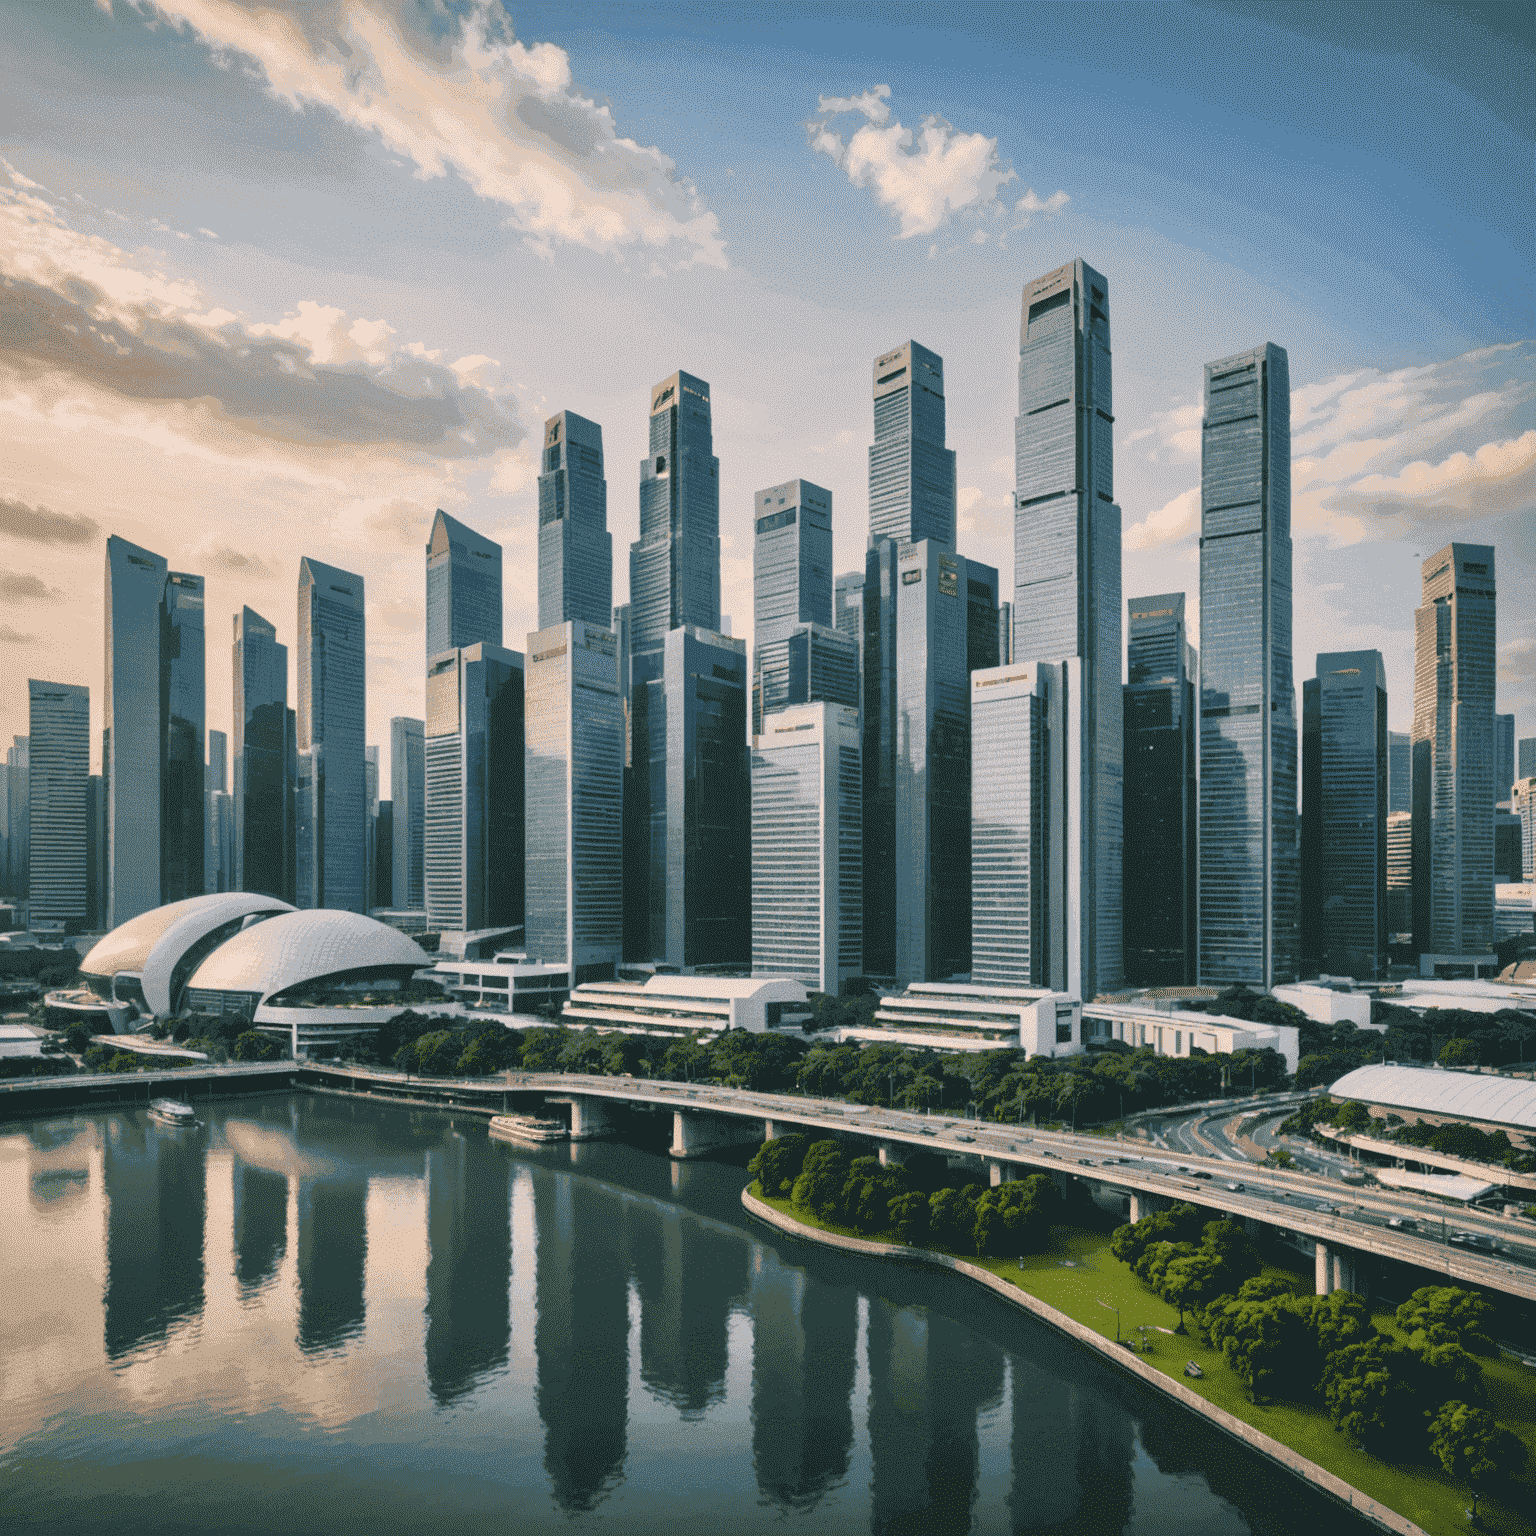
[(1525, 768), (1161, 790), (1004, 634), (59, 771), (261, 796), (1399, 771), (371, 799), (216, 872), (95, 853), (1399, 877), (911, 472), (807, 846), (473, 841), (384, 857), (1066, 594), (1249, 875), (575, 547), (574, 756), (408, 796), (1507, 850), (1503, 757), (18, 817), (848, 618), (183, 707), (463, 587), (1344, 817), (216, 775), (332, 813), (1454, 665), (134, 741), (1523, 803)]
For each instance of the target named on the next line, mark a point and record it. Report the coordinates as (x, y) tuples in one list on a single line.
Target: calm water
[(318, 1316)]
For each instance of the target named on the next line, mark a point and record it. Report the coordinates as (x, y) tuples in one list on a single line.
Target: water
[(318, 1315)]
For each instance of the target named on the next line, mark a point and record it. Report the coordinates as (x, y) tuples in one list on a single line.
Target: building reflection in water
[(261, 1223), (59, 1163), (469, 1264), (1072, 1453), (155, 1195), (333, 1254)]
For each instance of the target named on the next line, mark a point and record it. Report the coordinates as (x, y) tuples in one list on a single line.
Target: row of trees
[(1455, 1139)]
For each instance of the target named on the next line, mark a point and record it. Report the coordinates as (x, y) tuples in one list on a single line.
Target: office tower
[(575, 547), (1016, 847), (1525, 768), (474, 789), (384, 857), (1160, 795), (5, 830), (1523, 802), (332, 675), (183, 776), (408, 795), (574, 755), (262, 790), (620, 627), (1249, 874), (1503, 757), (848, 618), (371, 800), (95, 854), (1507, 837), (807, 846), (215, 781), (1399, 877), (216, 774), (134, 741), (911, 472), (18, 817), (59, 770), (1004, 634), (1399, 771), (1066, 595), (463, 587), (1344, 817), (1454, 655)]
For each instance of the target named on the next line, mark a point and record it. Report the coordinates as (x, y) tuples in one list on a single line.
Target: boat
[(172, 1113), (1192, 1369), (528, 1128)]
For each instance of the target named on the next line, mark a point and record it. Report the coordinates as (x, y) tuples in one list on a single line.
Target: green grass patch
[(1078, 1272)]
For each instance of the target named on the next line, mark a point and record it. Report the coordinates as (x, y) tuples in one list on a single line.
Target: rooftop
[(1439, 1091)]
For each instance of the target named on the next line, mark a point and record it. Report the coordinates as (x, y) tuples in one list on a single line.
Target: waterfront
[(315, 1314)]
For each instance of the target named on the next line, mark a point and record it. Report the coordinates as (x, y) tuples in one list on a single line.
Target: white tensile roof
[(128, 946), (1466, 1095)]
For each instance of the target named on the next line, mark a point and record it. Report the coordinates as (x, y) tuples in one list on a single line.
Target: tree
[(868, 1192), (1473, 1448), (1015, 1217), (1460, 1052), (819, 1186), (1264, 1334), (1448, 1314), (1373, 1394), (1353, 1116), (952, 1217), (910, 1217), (541, 1049), (778, 1163), (1179, 1223), (254, 1046)]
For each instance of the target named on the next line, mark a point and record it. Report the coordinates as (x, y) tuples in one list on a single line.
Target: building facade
[(18, 817), (1523, 800), (1399, 771), (463, 587), (791, 590), (1066, 595), (183, 707), (807, 846), (1503, 757), (1249, 873), (1454, 665), (911, 472), (1161, 795), (848, 619), (1399, 877), (59, 770), (408, 797), (575, 547), (262, 794), (1344, 798)]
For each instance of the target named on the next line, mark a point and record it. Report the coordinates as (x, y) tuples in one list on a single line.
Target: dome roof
[(1468, 1095), (304, 946), (151, 944)]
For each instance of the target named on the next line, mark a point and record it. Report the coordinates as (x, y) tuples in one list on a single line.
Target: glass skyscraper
[(574, 755), (408, 797), (1160, 795), (463, 587), (183, 694), (1503, 756), (18, 817), (59, 767), (575, 547), (1399, 771), (332, 828), (848, 618), (1249, 869), (1066, 594), (807, 846), (1344, 817), (262, 794), (911, 472), (1454, 665)]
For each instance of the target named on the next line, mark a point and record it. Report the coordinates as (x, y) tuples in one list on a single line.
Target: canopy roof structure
[(1478, 1096)]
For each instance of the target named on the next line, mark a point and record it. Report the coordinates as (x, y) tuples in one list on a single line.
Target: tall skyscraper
[(1160, 795), (1344, 817), (574, 874), (384, 857), (262, 793), (18, 817), (1454, 665), (1066, 595), (59, 770), (474, 789), (575, 547), (408, 795), (911, 472), (1503, 756), (216, 776), (848, 617), (1523, 800), (1399, 771), (463, 587), (183, 694), (371, 800), (1399, 877), (807, 846), (95, 853), (216, 873), (332, 672), (1249, 873), (1526, 767)]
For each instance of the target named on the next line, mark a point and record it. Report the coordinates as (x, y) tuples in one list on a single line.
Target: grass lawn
[(1079, 1272)]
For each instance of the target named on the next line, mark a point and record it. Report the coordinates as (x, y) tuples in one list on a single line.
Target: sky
[(279, 279)]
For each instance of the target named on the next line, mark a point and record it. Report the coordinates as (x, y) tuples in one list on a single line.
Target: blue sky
[(280, 279)]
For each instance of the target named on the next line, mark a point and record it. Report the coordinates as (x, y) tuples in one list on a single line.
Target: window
[(1063, 1031)]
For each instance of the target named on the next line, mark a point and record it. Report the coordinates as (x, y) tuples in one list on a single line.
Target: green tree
[(910, 1217), (952, 1218), (778, 1163), (1178, 1224), (254, 1046), (541, 1049), (1460, 1052), (1473, 1448), (1448, 1314), (1353, 1116), (868, 1193), (819, 1187), (1015, 1217)]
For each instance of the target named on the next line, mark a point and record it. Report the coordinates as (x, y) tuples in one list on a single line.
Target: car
[(1200, 1173), (1405, 1223), (963, 1137), (1087, 1162), (1049, 1154), (926, 1130), (1235, 1187), (1473, 1240)]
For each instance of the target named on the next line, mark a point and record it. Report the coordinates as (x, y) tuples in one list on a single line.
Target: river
[(321, 1315)]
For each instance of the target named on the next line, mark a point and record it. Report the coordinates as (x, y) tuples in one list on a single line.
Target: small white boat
[(172, 1113), (527, 1128)]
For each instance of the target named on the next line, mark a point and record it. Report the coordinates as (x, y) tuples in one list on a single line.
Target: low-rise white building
[(964, 1016), (509, 983), (1326, 1004), (1177, 1033), (1490, 995), (19, 1040), (676, 1005)]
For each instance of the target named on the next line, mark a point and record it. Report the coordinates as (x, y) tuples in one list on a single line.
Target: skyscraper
[(59, 767), (911, 472), (407, 789), (371, 800), (261, 794), (1503, 756), (1160, 795), (807, 846), (1066, 595), (463, 587), (183, 693), (1344, 817), (1399, 877), (574, 874), (848, 617), (216, 873), (473, 842), (575, 547), (1399, 771), (332, 672), (18, 817), (1526, 767), (1454, 656), (1249, 875)]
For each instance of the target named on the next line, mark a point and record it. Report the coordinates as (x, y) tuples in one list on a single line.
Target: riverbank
[(1066, 1288)]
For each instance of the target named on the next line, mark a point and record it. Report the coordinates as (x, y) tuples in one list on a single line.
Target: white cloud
[(1517, 661), (1178, 519), (975, 507), (1175, 434), (1460, 479), (468, 97), (872, 103), (1029, 204)]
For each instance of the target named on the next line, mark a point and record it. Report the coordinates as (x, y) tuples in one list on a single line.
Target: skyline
[(1393, 267)]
